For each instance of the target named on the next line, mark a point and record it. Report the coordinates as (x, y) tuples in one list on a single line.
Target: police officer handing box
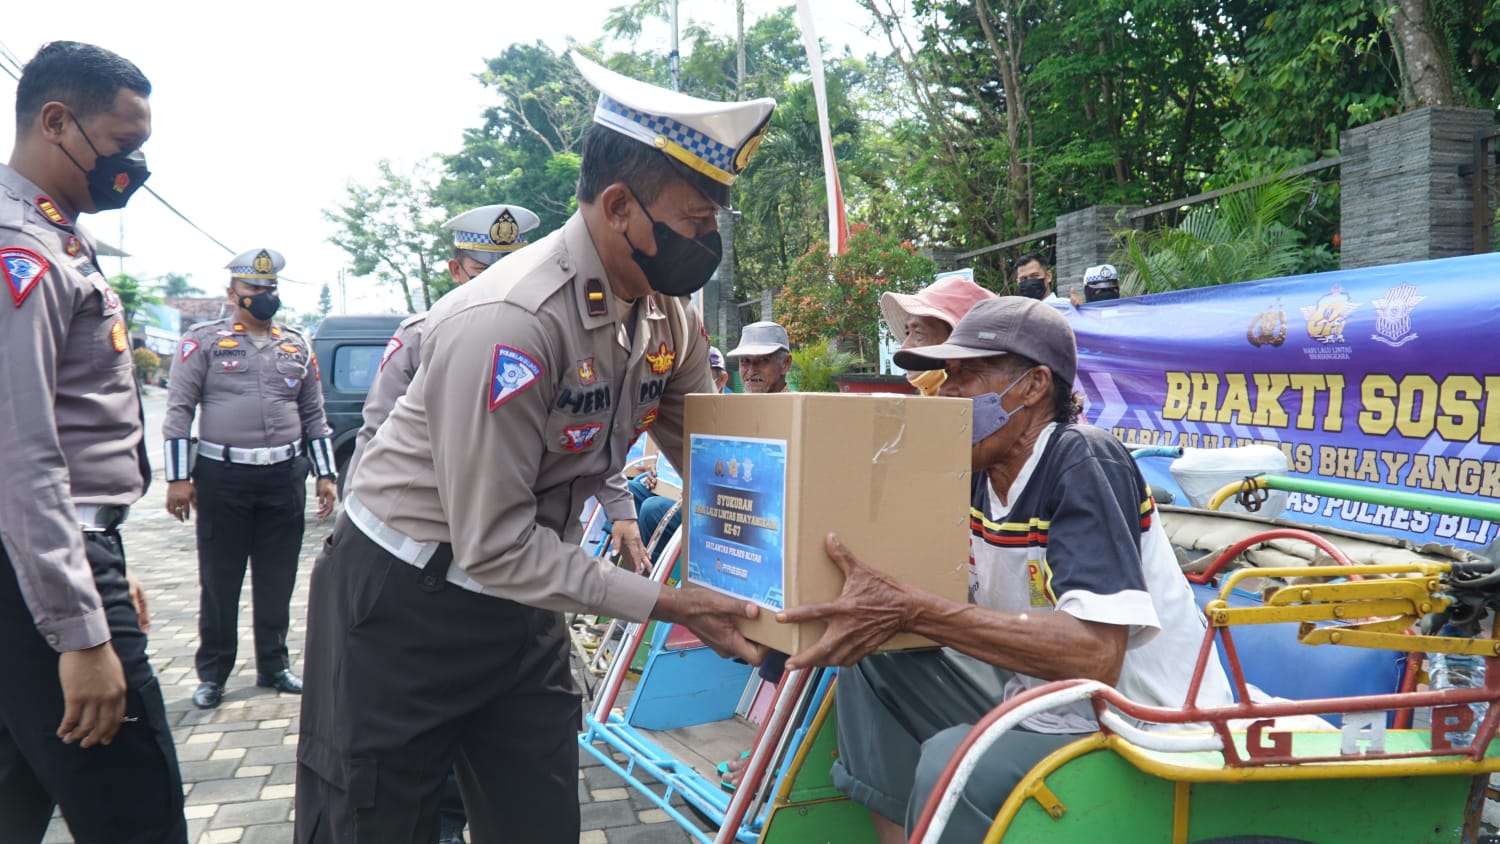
[(262, 424), (435, 633)]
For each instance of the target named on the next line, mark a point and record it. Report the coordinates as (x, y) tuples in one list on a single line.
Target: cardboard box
[(770, 475)]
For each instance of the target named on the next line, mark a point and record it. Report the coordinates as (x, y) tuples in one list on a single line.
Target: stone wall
[(1402, 198)]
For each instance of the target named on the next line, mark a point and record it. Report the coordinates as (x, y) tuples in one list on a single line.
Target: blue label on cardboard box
[(737, 516)]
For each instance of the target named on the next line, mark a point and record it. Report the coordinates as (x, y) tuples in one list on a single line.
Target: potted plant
[(837, 298)]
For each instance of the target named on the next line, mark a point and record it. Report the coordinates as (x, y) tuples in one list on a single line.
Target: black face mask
[(1033, 288), (681, 265), (262, 306), (114, 177), (1103, 293)]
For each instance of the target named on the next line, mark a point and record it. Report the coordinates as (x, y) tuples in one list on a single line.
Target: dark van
[(349, 349)]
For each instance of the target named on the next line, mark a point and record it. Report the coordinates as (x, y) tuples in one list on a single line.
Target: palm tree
[(1240, 237)]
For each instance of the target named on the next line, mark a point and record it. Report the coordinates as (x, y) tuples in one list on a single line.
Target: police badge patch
[(292, 383), (188, 347), (580, 437), (22, 269), (390, 349), (512, 371)]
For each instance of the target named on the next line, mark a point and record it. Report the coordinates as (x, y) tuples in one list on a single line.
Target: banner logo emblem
[(1393, 316)]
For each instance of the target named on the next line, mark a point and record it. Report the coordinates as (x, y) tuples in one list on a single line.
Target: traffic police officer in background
[(72, 640), (434, 624), (262, 420), (481, 237)]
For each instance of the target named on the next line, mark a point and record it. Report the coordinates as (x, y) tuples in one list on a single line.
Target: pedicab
[(1256, 771)]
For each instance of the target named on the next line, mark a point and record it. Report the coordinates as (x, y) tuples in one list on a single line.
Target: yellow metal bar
[(783, 794), (1361, 769), (1229, 491), (1181, 795), (1428, 570), (1354, 637), (1037, 776)]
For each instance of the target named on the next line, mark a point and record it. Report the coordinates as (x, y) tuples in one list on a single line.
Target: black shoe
[(208, 695), (282, 681)]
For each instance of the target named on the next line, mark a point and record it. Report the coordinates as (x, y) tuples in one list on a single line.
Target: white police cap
[(1102, 274), (713, 139), (491, 232), (257, 266)]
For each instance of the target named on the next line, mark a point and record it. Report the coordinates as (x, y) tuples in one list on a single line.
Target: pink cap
[(947, 299)]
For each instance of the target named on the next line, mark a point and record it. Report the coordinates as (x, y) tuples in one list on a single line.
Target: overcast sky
[(263, 112)]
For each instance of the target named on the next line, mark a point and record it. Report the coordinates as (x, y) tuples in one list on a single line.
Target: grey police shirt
[(70, 422)]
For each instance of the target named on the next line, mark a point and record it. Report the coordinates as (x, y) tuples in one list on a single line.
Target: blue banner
[(736, 517), (1385, 376)]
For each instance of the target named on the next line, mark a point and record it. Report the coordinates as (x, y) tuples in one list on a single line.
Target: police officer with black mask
[(262, 425), (82, 725)]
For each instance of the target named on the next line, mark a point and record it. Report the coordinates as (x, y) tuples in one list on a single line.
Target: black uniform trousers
[(408, 676), (254, 512), (129, 792)]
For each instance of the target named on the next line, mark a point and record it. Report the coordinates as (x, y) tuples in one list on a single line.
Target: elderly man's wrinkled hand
[(871, 609), (627, 533)]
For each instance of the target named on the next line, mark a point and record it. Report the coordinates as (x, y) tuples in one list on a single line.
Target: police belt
[(249, 456), (100, 518), (413, 552)]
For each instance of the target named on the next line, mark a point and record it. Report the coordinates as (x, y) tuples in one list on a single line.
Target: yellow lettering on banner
[(1333, 418), (1345, 462), (1393, 461), (1420, 475), (1460, 399), (1205, 397), (1310, 386), (1236, 406), (1377, 393), (1369, 469), (1419, 394), (1304, 458), (1268, 409), (1489, 429), (1176, 403), (1489, 486), (1327, 457)]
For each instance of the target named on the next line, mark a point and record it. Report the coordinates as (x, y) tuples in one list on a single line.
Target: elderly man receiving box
[(1072, 577)]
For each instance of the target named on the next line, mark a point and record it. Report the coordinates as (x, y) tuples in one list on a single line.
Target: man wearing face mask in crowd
[(927, 317), (82, 725), (1100, 284), (1034, 280), (435, 630), (1071, 576), (262, 426)]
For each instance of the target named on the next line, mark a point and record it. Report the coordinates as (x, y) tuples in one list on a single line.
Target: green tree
[(837, 297), (325, 301), (392, 229), (178, 284), (134, 295), (526, 150), (815, 365), (1243, 236)]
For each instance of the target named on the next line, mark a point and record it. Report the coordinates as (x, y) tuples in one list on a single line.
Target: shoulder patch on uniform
[(188, 347), (512, 372), (49, 210), (392, 346), (22, 269)]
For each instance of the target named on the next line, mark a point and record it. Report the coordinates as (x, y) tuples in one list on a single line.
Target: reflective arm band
[(179, 466), (322, 457)]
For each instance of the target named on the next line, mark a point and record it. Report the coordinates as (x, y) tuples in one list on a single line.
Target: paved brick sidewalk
[(238, 761)]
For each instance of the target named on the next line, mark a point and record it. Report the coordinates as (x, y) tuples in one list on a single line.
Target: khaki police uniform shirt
[(70, 419), (525, 403), (397, 367), (254, 395)]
